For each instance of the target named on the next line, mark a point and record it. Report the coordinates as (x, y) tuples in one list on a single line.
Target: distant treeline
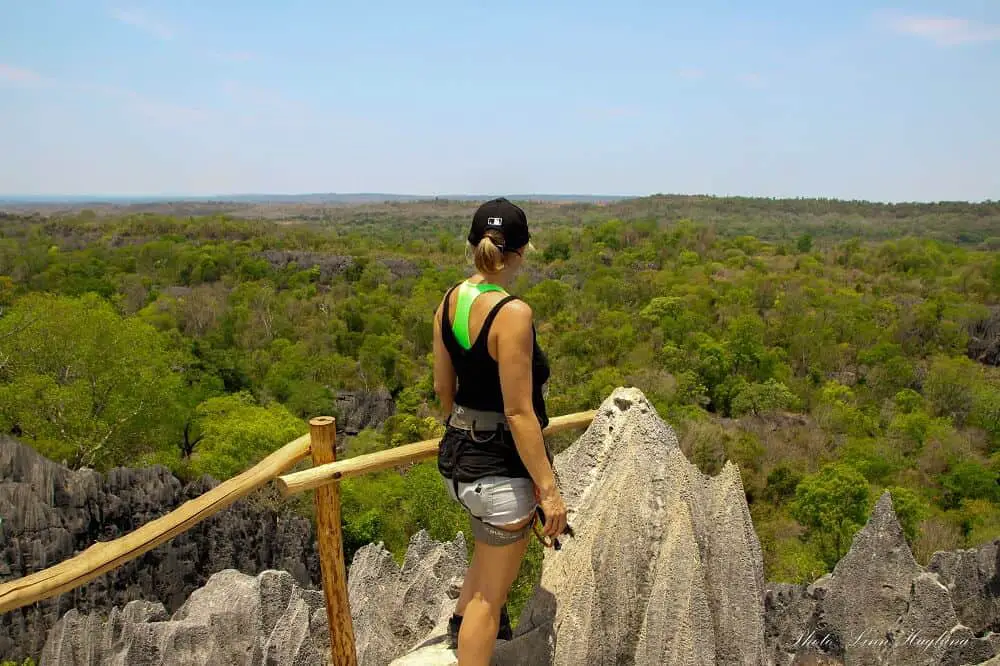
[(766, 218)]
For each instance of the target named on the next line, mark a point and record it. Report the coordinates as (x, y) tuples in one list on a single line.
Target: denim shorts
[(495, 502)]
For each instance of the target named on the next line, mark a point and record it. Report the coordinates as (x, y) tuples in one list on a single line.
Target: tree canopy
[(831, 349)]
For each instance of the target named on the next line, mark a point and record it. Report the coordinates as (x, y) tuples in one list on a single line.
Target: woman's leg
[(468, 584), (486, 595)]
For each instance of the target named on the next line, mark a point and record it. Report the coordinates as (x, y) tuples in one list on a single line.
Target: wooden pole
[(323, 434), (320, 475)]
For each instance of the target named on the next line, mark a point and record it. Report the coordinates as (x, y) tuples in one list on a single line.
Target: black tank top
[(478, 373)]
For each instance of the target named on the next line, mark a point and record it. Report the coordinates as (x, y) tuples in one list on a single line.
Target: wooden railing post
[(323, 434)]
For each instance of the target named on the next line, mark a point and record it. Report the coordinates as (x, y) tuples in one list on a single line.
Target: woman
[(488, 375)]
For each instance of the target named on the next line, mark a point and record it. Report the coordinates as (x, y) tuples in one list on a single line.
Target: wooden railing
[(106, 555), (324, 476)]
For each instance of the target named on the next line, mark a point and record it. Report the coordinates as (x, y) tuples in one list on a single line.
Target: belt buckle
[(459, 420), (459, 413)]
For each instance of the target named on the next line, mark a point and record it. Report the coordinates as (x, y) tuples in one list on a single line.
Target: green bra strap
[(467, 293)]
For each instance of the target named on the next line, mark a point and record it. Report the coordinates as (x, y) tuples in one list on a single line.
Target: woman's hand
[(554, 509)]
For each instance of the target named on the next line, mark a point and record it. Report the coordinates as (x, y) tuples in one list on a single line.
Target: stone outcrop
[(394, 608), (665, 567), (50, 513), (401, 268), (879, 606), (972, 576), (362, 409), (233, 619), (984, 339), (239, 619), (329, 265)]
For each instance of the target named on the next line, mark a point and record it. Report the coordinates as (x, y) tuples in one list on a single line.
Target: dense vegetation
[(823, 346)]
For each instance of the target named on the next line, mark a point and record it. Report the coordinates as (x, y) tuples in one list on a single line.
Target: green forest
[(832, 349)]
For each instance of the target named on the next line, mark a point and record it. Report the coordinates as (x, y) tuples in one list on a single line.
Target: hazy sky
[(850, 99)]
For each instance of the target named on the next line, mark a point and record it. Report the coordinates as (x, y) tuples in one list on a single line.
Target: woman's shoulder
[(445, 295), (516, 309)]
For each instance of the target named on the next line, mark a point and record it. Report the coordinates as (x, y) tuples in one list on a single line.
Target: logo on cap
[(494, 222)]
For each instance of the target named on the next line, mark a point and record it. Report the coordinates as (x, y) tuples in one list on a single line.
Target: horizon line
[(312, 194), (233, 197)]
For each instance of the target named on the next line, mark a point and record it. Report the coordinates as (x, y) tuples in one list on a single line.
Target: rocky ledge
[(879, 606), (268, 619), (49, 513)]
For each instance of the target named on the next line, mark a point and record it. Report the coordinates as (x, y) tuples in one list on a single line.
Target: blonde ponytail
[(487, 255)]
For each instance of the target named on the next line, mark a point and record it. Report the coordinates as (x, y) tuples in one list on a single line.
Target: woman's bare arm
[(514, 355), (445, 381)]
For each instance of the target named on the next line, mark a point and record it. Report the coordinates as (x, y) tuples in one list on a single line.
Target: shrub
[(832, 504), (968, 479), (237, 433), (913, 429), (986, 413), (757, 398), (908, 401), (910, 509), (980, 521), (934, 534), (795, 561), (786, 557), (781, 483), (704, 445), (950, 387), (837, 411), (876, 459)]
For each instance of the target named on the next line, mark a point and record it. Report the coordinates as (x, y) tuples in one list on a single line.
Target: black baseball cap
[(505, 217)]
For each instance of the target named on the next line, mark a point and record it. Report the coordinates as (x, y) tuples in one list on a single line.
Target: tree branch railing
[(107, 555), (324, 476), (320, 475)]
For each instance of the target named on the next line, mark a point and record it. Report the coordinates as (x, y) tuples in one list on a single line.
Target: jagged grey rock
[(395, 607), (995, 661), (233, 619), (879, 606), (329, 265), (362, 409), (665, 567), (50, 513), (269, 619), (870, 593), (984, 338), (401, 268), (972, 576)]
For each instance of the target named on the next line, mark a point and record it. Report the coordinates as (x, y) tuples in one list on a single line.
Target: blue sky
[(770, 98)]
